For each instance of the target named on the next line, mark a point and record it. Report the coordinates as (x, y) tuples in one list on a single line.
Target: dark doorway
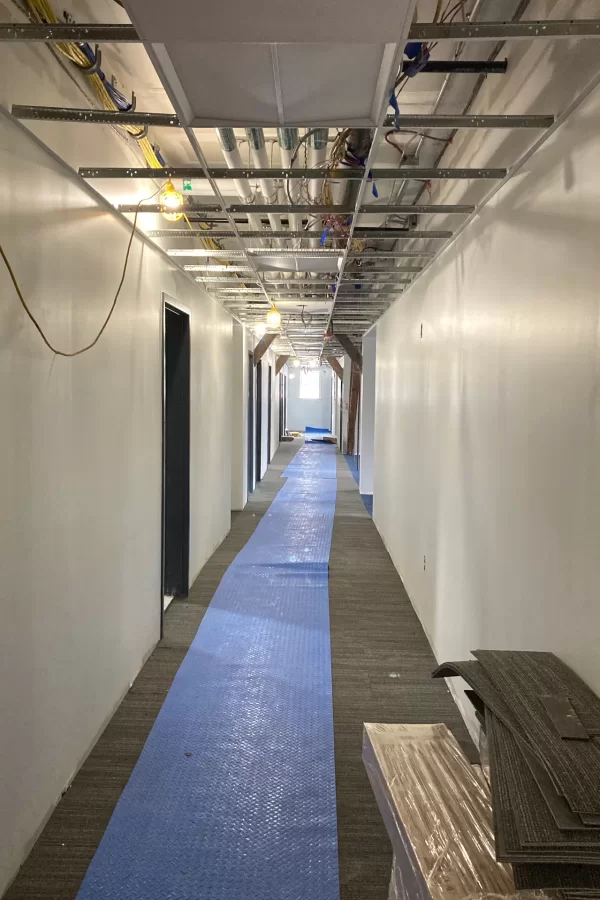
[(176, 452), (281, 406), (269, 413), (250, 423), (258, 421)]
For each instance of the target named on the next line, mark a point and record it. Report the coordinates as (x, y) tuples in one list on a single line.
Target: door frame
[(166, 302), (258, 395), (250, 440), (269, 413)]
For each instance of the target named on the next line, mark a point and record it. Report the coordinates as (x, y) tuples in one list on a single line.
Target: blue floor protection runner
[(233, 796)]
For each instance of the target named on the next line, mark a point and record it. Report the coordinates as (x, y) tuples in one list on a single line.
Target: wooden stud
[(352, 351), (335, 365), (280, 363), (262, 347), (355, 379)]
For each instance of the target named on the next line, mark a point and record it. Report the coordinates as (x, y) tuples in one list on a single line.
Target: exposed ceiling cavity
[(310, 178)]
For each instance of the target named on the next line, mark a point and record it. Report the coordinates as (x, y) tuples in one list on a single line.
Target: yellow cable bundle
[(43, 12)]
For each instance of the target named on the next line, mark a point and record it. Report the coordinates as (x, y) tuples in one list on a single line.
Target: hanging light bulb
[(291, 375), (259, 329), (274, 318), (296, 363), (171, 200)]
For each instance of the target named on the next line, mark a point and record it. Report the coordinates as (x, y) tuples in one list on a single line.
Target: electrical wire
[(37, 325), (84, 58)]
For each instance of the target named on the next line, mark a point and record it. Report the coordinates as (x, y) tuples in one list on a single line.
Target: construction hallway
[(226, 771), (300, 450)]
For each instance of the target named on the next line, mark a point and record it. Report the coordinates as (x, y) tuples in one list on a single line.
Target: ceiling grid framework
[(354, 201)]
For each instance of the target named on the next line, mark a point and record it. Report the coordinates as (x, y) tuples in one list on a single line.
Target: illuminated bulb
[(260, 329), (296, 363), (274, 318), (171, 199), (292, 375)]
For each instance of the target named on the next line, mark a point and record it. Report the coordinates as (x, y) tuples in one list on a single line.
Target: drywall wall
[(80, 473), (239, 411), (487, 431), (367, 412), (316, 413), (336, 404)]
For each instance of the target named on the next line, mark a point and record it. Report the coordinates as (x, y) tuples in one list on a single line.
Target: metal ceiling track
[(339, 174), (317, 208), (169, 120), (460, 66), (316, 253), (322, 208), (381, 234), (428, 31), (504, 31), (59, 33)]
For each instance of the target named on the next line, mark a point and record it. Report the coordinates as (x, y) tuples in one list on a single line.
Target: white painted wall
[(269, 359), (345, 401), (80, 474), (487, 451), (367, 412), (316, 413), (336, 401)]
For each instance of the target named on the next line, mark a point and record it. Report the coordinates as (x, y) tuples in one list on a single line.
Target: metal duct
[(260, 158), (317, 154), (233, 158), (288, 141)]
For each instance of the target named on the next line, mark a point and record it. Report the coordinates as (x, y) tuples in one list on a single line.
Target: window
[(310, 385)]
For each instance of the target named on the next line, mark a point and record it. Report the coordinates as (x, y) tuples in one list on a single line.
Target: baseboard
[(29, 845), (455, 685)]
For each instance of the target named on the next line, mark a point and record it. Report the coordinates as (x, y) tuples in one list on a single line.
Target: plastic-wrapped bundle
[(438, 814)]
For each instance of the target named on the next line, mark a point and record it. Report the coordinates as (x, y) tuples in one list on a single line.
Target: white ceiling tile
[(271, 21)]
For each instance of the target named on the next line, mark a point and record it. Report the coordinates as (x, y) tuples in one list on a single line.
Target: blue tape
[(233, 795)]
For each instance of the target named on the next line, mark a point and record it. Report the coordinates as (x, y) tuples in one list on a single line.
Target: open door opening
[(258, 459), (250, 423), (176, 453)]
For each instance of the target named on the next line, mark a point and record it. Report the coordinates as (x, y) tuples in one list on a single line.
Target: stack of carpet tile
[(542, 725)]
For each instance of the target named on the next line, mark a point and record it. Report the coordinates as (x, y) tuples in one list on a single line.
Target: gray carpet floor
[(375, 635), (382, 665)]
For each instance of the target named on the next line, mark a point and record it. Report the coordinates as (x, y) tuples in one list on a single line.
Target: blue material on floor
[(367, 499), (233, 795)]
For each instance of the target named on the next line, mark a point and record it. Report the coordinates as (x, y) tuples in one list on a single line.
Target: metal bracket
[(95, 67)]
